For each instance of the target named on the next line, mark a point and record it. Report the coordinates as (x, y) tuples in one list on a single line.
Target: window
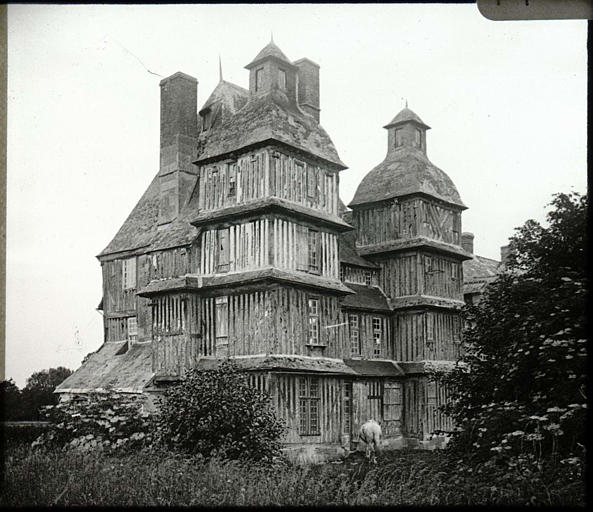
[(417, 138), (132, 328), (311, 183), (429, 319), (354, 334), (222, 320), (223, 250), (259, 79), (313, 250), (232, 181), (375, 389), (313, 321), (377, 335), (128, 268), (427, 264), (368, 277), (453, 271), (347, 423), (282, 79), (341, 272), (207, 120), (399, 140), (309, 406)]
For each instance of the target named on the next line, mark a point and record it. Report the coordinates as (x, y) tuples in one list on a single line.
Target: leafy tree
[(523, 389), (39, 390), (11, 402), (218, 412)]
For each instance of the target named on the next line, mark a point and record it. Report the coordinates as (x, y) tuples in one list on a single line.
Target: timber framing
[(414, 243)]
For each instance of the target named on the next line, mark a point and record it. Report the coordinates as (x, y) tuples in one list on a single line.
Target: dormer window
[(282, 79), (259, 79), (399, 139), (417, 138)]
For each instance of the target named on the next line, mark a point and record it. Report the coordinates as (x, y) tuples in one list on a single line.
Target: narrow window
[(206, 120), (354, 334), (313, 321), (132, 328), (341, 272), (282, 79), (377, 335), (453, 271), (368, 277), (232, 181), (313, 249), (309, 406), (375, 398), (311, 182), (128, 268), (429, 318), (399, 138), (222, 320), (223, 250), (417, 138), (259, 79), (347, 423)]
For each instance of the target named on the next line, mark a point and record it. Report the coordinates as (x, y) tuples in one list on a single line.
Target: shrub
[(217, 411), (113, 422)]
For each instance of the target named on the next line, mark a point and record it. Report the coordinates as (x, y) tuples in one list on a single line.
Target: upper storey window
[(417, 138), (259, 79), (282, 79), (399, 140), (128, 269)]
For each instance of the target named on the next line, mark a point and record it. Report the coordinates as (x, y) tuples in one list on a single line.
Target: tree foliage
[(522, 392), (218, 412)]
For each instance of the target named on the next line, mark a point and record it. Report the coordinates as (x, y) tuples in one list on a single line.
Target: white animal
[(370, 433)]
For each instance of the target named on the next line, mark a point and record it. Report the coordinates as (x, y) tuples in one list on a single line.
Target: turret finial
[(406, 102), (219, 68)]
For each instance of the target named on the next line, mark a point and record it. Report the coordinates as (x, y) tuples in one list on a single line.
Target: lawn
[(404, 477)]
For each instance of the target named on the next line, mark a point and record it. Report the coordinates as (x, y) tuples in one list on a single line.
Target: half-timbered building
[(241, 248)]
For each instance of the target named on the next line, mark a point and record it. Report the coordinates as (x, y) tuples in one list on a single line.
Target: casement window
[(132, 328), (417, 138), (368, 277), (399, 139), (354, 328), (341, 272), (309, 406), (222, 320), (377, 335), (347, 423), (282, 79), (128, 268), (429, 327), (259, 79), (223, 250), (311, 182), (232, 192), (313, 321), (313, 250)]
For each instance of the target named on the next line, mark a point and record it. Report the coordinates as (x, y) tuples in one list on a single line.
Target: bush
[(113, 422), (218, 412)]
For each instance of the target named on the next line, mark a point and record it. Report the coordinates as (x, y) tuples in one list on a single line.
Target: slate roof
[(406, 115), (406, 171), (270, 50), (140, 229), (375, 368), (348, 253), (104, 370), (265, 118), (478, 272), (232, 96), (366, 297)]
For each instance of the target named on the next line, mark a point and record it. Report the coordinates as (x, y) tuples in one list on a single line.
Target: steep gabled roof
[(403, 172), (478, 272), (404, 116), (266, 118), (232, 96)]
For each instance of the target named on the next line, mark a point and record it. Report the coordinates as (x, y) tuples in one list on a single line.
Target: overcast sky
[(506, 102)]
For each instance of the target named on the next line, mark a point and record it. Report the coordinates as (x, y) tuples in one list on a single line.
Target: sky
[(506, 102)]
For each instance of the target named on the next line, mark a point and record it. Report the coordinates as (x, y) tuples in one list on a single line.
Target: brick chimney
[(179, 131), (467, 242), (308, 86)]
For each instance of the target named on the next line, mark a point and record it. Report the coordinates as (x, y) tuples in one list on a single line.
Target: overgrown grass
[(401, 478)]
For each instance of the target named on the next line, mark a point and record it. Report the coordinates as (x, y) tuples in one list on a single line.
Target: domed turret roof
[(270, 50), (404, 116), (403, 172)]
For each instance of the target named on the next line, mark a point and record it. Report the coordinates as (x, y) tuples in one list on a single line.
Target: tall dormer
[(271, 71), (406, 130)]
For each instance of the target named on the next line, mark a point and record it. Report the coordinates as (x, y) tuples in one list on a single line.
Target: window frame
[(309, 406), (368, 278), (352, 329), (223, 248), (132, 336), (282, 82), (313, 252), (377, 335), (313, 331), (397, 137), (221, 324), (128, 270), (417, 138)]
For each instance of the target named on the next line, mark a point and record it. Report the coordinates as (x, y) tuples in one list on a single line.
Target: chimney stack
[(505, 250), (308, 86), (467, 242), (179, 132)]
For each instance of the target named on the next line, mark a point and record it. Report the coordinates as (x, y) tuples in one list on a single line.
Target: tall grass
[(149, 479)]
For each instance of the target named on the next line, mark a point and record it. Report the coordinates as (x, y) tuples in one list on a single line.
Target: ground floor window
[(309, 406), (347, 423)]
